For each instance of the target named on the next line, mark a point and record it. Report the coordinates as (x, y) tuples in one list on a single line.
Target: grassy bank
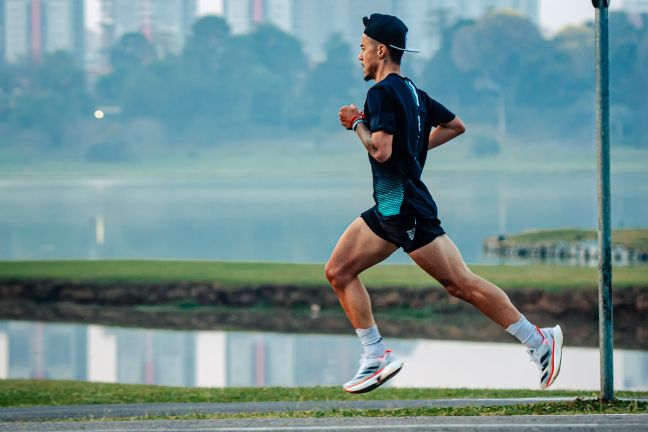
[(236, 274), (42, 393)]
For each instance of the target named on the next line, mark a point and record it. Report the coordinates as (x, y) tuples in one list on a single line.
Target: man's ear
[(382, 51)]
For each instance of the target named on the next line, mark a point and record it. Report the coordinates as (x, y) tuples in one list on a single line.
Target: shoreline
[(425, 312), (129, 293)]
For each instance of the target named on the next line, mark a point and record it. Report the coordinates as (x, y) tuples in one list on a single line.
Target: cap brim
[(405, 49)]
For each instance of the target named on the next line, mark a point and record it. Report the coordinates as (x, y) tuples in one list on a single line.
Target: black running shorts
[(405, 230)]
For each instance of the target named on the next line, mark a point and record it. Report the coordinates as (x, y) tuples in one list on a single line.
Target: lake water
[(291, 220), (234, 359)]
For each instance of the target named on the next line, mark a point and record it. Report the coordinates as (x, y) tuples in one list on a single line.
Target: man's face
[(369, 57)]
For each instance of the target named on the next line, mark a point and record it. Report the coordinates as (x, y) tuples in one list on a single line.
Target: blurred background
[(207, 129), (171, 128)]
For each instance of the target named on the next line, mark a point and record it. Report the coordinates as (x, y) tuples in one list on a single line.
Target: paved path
[(139, 410), (38, 418), (580, 423)]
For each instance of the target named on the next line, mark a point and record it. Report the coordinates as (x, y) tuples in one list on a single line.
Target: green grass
[(580, 406), (237, 274), (635, 238), (37, 392)]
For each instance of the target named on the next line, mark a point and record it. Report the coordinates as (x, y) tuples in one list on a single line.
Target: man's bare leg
[(357, 249), (442, 260)]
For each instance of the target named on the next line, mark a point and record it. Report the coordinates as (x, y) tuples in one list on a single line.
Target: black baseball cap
[(387, 29)]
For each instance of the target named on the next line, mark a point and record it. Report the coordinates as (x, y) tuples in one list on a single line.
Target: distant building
[(280, 13), (314, 22), (2, 31), (428, 19), (475, 9), (63, 27), (32, 28), (166, 23), (18, 28), (238, 15), (172, 21)]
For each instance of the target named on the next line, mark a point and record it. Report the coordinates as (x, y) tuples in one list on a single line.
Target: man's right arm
[(378, 144)]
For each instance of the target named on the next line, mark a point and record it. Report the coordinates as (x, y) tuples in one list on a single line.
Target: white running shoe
[(374, 372), (548, 355)]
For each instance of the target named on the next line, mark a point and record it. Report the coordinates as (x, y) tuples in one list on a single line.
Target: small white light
[(99, 114), (100, 230)]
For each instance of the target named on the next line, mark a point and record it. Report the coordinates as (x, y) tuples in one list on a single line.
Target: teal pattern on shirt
[(390, 192)]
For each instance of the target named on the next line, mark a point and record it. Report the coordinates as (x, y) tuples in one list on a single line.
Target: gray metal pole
[(604, 232)]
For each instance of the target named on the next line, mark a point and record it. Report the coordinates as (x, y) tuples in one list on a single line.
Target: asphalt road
[(158, 409), (62, 418), (634, 422)]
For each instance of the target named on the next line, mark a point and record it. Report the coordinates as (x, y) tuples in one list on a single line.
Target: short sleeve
[(438, 113), (380, 111)]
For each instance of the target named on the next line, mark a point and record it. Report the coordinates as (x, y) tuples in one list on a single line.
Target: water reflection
[(294, 220), (234, 358)]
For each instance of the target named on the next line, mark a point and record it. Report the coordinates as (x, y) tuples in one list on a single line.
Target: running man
[(399, 124)]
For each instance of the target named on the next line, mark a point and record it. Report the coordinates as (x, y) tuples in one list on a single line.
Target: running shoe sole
[(557, 355), (380, 378)]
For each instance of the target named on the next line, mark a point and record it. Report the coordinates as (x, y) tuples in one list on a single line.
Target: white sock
[(526, 333), (372, 343)]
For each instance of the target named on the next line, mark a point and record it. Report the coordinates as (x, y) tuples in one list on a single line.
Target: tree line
[(498, 71)]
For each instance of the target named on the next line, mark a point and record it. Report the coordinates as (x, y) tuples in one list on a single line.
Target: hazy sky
[(554, 14)]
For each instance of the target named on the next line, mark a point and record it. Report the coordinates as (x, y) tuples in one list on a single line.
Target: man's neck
[(386, 69)]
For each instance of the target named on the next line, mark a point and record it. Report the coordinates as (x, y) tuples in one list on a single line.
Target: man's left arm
[(445, 132)]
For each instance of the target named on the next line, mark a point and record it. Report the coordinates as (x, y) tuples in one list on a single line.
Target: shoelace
[(364, 358), (362, 371), (363, 361), (535, 358)]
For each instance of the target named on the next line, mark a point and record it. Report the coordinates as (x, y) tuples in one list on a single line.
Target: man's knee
[(461, 285), (338, 275)]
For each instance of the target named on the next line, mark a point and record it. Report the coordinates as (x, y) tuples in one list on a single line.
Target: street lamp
[(604, 236)]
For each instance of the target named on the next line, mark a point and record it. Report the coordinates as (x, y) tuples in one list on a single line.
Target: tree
[(49, 97), (266, 68), (208, 43), (498, 50), (628, 84), (131, 53), (498, 46), (443, 79), (330, 84)]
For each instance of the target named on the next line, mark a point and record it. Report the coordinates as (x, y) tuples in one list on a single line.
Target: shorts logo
[(411, 233)]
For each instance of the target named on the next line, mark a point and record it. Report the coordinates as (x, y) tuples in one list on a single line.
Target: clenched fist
[(349, 114)]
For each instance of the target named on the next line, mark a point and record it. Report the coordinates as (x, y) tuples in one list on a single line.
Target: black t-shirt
[(396, 106)]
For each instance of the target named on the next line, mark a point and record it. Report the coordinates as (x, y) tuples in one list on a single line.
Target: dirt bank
[(633, 300), (427, 313)]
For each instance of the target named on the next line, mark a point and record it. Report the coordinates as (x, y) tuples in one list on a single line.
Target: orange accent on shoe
[(541, 334), (553, 348), (364, 380)]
